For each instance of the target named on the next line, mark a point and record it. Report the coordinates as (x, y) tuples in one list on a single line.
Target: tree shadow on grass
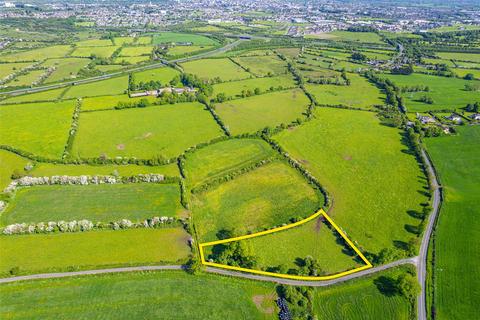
[(386, 285)]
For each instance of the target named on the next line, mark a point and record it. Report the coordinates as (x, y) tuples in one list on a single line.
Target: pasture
[(217, 160), (186, 50), (94, 43), (132, 60), (155, 295), (263, 198), (101, 52), (9, 163), (92, 249), (136, 51), (266, 110), (11, 68), (164, 75), (460, 56), (110, 102), (26, 79), (208, 69), (40, 54), (359, 94), (40, 128), (175, 37), (458, 229), (361, 299), (104, 203), (351, 154), (447, 93), (462, 72), (235, 88), (263, 65), (65, 68), (157, 131), (361, 37), (111, 86), (49, 95), (119, 41)]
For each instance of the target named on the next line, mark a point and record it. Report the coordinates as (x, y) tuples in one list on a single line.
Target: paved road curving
[(422, 257)]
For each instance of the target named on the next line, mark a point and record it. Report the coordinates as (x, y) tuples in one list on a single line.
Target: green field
[(40, 128), (174, 37), (102, 52), (37, 54), (447, 93), (65, 68), (461, 72), (131, 60), (104, 203), (26, 79), (94, 43), (361, 299), (472, 57), (109, 67), (186, 50), (155, 295), (363, 37), (263, 65), (216, 160), (109, 102), (11, 68), (208, 69), (359, 94), (136, 51), (235, 88), (313, 239), (50, 169), (144, 40), (164, 75), (263, 198), (100, 88), (92, 249), (123, 40), (164, 131), (9, 163), (49, 95), (457, 233), (257, 112), (351, 154)]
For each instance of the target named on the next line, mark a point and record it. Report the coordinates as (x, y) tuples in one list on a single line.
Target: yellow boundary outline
[(367, 265)]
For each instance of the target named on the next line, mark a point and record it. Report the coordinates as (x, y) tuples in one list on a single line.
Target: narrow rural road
[(422, 257), (115, 74)]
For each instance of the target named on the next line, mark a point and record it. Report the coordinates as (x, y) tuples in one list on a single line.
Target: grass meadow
[(9, 68), (104, 203), (49, 95), (457, 233), (94, 43), (175, 37), (361, 299), (136, 51), (164, 131), (102, 52), (447, 93), (111, 86), (265, 197), (26, 79), (40, 128), (40, 54), (65, 68), (92, 249), (359, 94), (184, 50), (461, 56), (263, 65), (132, 60), (257, 112), (217, 160), (362, 37), (211, 68), (164, 75), (351, 154), (235, 88), (123, 40), (155, 295), (110, 102), (9, 163)]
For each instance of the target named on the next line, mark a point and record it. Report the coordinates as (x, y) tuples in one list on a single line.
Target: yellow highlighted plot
[(286, 276)]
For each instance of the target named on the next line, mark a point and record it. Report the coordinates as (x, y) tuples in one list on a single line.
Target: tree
[(404, 69), (469, 76), (221, 97), (386, 255), (408, 286), (358, 56)]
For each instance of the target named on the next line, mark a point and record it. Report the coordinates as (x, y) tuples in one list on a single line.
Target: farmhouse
[(425, 119), (454, 117), (158, 92), (475, 116)]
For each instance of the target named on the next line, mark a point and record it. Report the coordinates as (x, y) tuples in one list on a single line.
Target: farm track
[(119, 73)]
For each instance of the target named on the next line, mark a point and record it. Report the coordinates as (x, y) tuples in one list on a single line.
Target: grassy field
[(263, 65), (462, 56), (184, 50), (289, 52), (9, 163), (136, 51), (447, 93), (169, 37), (37, 54), (123, 40), (147, 132), (313, 239), (351, 154), (158, 295), (109, 102), (359, 94), (265, 197), (257, 112), (144, 40), (349, 66), (40, 128), (212, 68), (461, 72), (102, 52), (106, 203), (216, 160), (94, 43), (10, 68), (100, 88), (65, 68), (132, 60), (92, 250), (164, 75), (109, 67), (361, 300), (235, 88), (49, 95), (363, 37), (456, 159), (50, 169), (26, 79)]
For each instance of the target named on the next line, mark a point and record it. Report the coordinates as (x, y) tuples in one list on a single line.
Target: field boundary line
[(320, 212)]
